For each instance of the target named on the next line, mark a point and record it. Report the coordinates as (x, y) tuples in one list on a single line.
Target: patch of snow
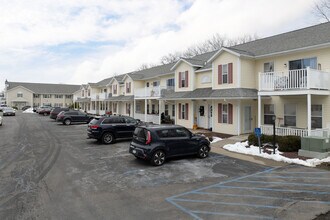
[(215, 139), (29, 110), (241, 147)]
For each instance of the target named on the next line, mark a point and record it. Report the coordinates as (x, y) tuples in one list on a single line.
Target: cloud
[(81, 41)]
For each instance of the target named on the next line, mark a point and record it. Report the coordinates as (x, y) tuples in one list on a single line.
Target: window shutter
[(230, 113), (219, 113), (129, 85), (187, 111), (186, 76), (220, 74), (179, 110), (179, 79), (230, 72)]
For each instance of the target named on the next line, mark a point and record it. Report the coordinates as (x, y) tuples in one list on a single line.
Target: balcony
[(100, 96), (151, 92), (300, 79)]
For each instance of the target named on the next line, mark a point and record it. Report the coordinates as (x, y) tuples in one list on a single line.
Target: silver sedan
[(8, 111)]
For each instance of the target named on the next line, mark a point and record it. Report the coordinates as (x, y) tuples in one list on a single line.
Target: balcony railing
[(285, 131), (150, 118), (149, 91), (294, 80)]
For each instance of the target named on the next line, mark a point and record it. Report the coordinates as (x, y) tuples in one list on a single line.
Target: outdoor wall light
[(285, 65)]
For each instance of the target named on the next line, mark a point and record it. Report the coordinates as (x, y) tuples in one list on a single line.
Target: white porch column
[(134, 107), (239, 117), (160, 109), (145, 110), (309, 113), (259, 111)]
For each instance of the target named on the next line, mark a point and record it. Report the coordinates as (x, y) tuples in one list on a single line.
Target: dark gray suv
[(156, 143)]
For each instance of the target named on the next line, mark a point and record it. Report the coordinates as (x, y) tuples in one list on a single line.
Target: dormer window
[(225, 73), (183, 79), (82, 93), (114, 88), (89, 92), (128, 87)]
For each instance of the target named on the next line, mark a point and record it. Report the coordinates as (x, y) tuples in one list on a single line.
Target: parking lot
[(51, 171)]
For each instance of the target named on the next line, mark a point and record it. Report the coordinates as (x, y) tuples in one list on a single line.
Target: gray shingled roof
[(207, 93), (45, 88), (120, 78), (121, 98), (306, 37), (152, 72), (83, 100)]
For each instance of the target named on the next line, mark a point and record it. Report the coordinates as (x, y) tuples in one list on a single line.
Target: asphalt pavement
[(51, 171)]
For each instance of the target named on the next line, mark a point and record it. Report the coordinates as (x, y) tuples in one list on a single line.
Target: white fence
[(150, 118), (284, 131), (149, 91)]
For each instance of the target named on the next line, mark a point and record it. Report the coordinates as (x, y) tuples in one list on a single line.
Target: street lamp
[(274, 120)]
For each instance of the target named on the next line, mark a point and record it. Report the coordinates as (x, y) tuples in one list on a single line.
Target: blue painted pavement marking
[(282, 183), (269, 174), (227, 203), (256, 196), (276, 190), (232, 214), (292, 177)]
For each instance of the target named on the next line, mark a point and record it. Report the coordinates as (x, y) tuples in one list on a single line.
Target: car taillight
[(148, 141), (94, 126)]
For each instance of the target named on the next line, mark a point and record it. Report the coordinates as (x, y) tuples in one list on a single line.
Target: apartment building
[(234, 89), (20, 94)]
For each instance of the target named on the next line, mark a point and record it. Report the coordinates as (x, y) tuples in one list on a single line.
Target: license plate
[(134, 151)]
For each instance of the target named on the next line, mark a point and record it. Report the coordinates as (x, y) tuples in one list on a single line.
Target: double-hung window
[(170, 83), (183, 79), (290, 114), (269, 67), (224, 113), (183, 111), (316, 116), (225, 73), (269, 112)]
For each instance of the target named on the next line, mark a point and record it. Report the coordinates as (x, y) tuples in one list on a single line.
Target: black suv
[(53, 114), (156, 143), (108, 129), (67, 117)]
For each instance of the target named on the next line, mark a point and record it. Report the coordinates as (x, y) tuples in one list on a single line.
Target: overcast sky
[(80, 41)]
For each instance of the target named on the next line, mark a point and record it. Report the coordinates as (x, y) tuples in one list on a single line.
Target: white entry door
[(247, 119), (210, 116), (201, 119)]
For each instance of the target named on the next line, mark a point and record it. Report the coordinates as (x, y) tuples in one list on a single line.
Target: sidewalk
[(217, 148)]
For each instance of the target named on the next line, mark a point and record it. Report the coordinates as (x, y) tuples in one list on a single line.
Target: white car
[(0, 121)]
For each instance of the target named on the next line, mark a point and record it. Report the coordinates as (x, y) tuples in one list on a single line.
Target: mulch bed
[(293, 155)]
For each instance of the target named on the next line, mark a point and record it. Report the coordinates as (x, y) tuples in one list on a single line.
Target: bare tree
[(214, 43), (145, 66), (171, 58), (322, 9)]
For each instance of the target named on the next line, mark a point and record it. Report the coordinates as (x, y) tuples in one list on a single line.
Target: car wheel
[(158, 158), (203, 151), (107, 138), (67, 121)]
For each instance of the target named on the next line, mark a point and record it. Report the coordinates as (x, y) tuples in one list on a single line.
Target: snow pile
[(241, 147), (29, 110), (215, 139)]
